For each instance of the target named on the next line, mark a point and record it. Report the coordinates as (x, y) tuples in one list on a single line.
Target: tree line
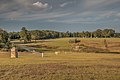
[(28, 35)]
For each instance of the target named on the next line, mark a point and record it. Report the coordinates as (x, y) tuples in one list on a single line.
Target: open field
[(67, 65), (63, 44)]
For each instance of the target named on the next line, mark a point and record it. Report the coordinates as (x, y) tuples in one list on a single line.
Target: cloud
[(50, 15), (84, 10), (40, 4), (64, 4), (100, 5), (88, 17)]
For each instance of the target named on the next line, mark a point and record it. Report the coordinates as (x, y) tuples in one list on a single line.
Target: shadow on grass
[(37, 41), (109, 52)]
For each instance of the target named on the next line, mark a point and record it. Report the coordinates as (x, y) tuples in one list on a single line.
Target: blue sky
[(60, 15)]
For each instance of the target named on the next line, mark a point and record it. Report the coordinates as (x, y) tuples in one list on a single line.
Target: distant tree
[(91, 34), (3, 36), (67, 34), (25, 35), (83, 34), (108, 33), (74, 34), (117, 35), (87, 34), (111, 32), (35, 35), (14, 35), (29, 36), (97, 33)]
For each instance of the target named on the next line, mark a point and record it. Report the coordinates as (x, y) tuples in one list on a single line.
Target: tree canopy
[(27, 35)]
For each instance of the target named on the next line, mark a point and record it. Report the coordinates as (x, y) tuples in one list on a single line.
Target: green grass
[(64, 45), (67, 65)]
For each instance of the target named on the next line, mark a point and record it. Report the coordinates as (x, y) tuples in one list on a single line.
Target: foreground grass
[(64, 66)]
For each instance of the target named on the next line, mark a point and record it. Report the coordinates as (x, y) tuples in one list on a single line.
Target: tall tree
[(3, 36), (97, 33), (87, 34), (24, 34), (108, 33)]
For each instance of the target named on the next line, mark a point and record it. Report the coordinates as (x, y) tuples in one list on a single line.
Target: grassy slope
[(63, 43), (64, 66)]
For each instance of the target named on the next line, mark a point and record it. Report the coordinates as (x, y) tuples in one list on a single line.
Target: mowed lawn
[(67, 65)]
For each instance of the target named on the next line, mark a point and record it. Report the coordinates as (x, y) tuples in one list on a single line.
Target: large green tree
[(35, 35), (108, 33), (25, 35), (97, 33)]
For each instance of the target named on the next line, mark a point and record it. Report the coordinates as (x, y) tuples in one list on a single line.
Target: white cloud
[(50, 15), (64, 4), (92, 17), (84, 10), (40, 4)]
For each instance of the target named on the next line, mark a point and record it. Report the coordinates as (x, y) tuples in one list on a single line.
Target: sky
[(60, 15)]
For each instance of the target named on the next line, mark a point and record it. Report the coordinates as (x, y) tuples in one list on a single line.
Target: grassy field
[(62, 44), (67, 65)]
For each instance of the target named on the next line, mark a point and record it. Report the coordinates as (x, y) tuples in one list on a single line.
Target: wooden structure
[(14, 53)]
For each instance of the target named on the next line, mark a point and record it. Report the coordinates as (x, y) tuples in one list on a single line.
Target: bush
[(93, 49), (88, 49), (74, 41), (2, 45), (24, 49)]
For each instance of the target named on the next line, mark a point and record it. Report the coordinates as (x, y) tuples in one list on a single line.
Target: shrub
[(22, 49), (2, 45), (74, 41)]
